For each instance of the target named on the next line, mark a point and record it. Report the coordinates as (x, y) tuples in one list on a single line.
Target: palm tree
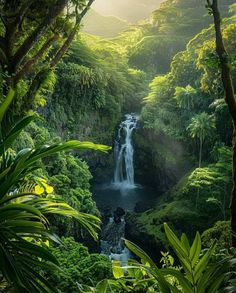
[(24, 228), (185, 97), (201, 127)]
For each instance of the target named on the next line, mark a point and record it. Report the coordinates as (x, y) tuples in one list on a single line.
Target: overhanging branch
[(30, 63), (68, 41), (37, 33)]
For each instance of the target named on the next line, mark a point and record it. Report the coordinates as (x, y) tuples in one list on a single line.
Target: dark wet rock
[(106, 214), (112, 234), (118, 214)]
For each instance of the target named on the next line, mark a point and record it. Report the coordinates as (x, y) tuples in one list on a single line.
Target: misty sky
[(130, 10)]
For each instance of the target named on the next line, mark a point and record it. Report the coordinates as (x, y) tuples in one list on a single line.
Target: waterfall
[(124, 153)]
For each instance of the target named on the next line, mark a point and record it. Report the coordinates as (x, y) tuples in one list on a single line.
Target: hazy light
[(131, 10)]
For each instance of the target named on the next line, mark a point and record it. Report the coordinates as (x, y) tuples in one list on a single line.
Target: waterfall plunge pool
[(111, 197), (123, 192)]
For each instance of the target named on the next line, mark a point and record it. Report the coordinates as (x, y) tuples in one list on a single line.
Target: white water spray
[(124, 153)]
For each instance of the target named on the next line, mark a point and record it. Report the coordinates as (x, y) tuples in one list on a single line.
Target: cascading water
[(112, 244), (113, 232), (122, 194), (124, 153)]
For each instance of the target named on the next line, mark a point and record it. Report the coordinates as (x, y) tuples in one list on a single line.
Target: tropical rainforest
[(118, 146)]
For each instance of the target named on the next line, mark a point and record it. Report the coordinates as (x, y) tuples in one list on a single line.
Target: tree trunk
[(233, 196), (200, 154), (33, 38), (229, 99)]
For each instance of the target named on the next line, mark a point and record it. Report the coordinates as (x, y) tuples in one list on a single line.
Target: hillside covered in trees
[(117, 146), (130, 10), (104, 26)]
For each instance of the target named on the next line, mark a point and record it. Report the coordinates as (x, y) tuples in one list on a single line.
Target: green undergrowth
[(199, 199)]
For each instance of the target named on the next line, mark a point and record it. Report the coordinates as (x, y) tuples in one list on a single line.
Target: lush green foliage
[(78, 266), (25, 200), (34, 37), (198, 200), (221, 233), (192, 87), (198, 271), (153, 43), (184, 124), (94, 83), (191, 90), (71, 178), (95, 86), (69, 175)]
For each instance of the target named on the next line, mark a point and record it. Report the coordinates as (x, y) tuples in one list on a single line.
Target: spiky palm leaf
[(24, 228)]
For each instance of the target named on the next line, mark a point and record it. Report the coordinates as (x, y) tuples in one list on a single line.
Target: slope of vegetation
[(153, 43), (103, 26), (94, 87), (130, 10)]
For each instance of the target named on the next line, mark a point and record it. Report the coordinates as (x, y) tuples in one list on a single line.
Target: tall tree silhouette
[(212, 5)]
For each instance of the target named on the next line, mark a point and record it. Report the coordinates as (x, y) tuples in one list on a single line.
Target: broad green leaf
[(216, 284), (4, 173), (46, 151), (202, 264), (195, 249), (6, 103), (15, 132), (184, 282), (204, 279), (13, 197), (117, 270), (185, 243), (20, 208), (140, 253), (179, 249), (174, 241), (102, 286)]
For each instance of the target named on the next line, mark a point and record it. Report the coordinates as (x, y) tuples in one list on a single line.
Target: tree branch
[(82, 14), (36, 34), (32, 91), (30, 63), (23, 12), (68, 41), (37, 81)]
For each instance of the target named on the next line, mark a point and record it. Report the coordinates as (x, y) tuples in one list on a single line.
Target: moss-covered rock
[(220, 232)]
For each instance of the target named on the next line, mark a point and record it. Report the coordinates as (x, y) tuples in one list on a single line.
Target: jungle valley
[(118, 146)]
